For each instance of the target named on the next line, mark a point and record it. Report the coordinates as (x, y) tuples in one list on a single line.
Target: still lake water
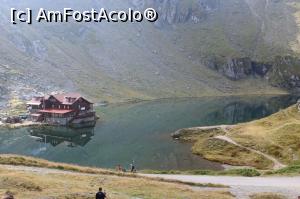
[(139, 132)]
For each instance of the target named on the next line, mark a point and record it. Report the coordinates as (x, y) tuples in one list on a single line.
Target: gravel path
[(242, 187)]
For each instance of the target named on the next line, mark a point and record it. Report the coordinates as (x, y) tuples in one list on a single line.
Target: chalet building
[(68, 109)]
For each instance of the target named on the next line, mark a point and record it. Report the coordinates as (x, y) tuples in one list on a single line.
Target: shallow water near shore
[(140, 132)]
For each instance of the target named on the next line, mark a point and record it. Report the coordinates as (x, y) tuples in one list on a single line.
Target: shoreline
[(21, 125), (137, 101), (216, 136), (177, 134), (237, 144)]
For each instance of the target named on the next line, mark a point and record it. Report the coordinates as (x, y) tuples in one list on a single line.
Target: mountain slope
[(194, 49)]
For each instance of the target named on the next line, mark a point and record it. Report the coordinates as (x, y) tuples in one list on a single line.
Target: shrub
[(242, 172)]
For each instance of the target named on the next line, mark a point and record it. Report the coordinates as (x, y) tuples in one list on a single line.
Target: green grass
[(241, 172), (231, 172), (292, 169)]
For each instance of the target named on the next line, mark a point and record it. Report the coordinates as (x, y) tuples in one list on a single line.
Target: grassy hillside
[(80, 184), (211, 148), (172, 58), (277, 136)]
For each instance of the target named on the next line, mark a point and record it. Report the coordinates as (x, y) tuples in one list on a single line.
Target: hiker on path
[(132, 168)]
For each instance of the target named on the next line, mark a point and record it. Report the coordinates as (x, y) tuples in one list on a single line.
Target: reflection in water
[(58, 135), (139, 132), (242, 110)]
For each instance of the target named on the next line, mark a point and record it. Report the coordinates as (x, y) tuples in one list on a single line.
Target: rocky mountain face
[(241, 68), (196, 48), (282, 72), (273, 51), (277, 35), (285, 72)]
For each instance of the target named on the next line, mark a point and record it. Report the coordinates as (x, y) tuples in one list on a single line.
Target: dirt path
[(225, 128), (277, 164)]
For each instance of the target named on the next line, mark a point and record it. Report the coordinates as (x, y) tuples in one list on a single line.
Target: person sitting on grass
[(100, 194)]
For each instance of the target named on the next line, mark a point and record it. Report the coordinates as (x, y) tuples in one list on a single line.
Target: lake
[(140, 132)]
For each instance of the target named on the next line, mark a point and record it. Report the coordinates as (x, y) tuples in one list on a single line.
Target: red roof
[(68, 98), (64, 98), (58, 111)]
